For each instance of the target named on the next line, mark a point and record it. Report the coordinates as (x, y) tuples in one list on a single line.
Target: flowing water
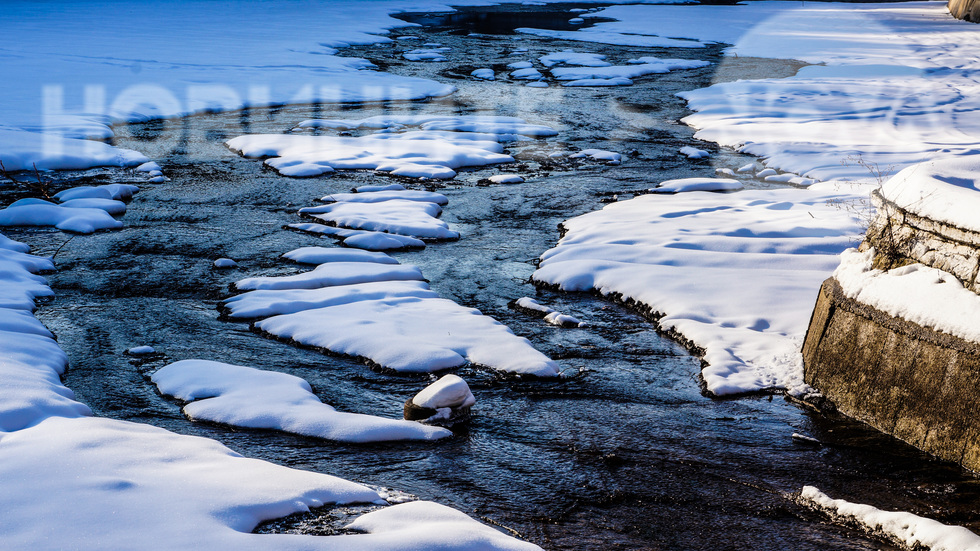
[(623, 453)]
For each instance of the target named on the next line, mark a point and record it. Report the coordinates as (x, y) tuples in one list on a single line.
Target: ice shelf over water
[(385, 313)]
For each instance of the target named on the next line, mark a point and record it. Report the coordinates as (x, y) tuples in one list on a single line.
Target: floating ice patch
[(648, 66), (520, 65), (571, 57), (696, 258), (697, 184), (412, 335), (385, 187), (694, 153), (225, 263), (576, 21), (616, 81), (361, 239), (141, 351), (483, 74), (118, 192), (267, 303), (20, 150), (322, 255), (506, 179), (43, 213), (333, 273), (247, 397), (598, 155), (398, 216), (427, 54), (744, 169), (413, 154), (526, 74), (595, 34), (111, 206)]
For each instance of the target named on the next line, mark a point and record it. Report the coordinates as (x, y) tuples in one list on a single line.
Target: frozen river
[(623, 453)]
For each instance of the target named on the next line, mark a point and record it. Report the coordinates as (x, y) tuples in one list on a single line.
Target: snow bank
[(736, 274), (248, 397), (922, 295), (910, 530), (944, 191)]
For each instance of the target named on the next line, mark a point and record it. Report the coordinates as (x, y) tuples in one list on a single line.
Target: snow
[(253, 398), (536, 84), (427, 54), (506, 179), (484, 74), (387, 195), (598, 34), (615, 81), (141, 351), (694, 153), (322, 255), (450, 391), (385, 313), (944, 191), (44, 213), (225, 263), (598, 154), (571, 57), (744, 169), (736, 274), (910, 530), (107, 191), (361, 239), (22, 150), (633, 70), (697, 184), (526, 74), (442, 145), (330, 274), (765, 173), (520, 65), (922, 295), (550, 315), (404, 217)]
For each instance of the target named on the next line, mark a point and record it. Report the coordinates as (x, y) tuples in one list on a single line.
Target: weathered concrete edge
[(967, 10), (909, 381)]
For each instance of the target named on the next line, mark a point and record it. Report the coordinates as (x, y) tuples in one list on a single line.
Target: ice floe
[(697, 184), (322, 255), (361, 239), (571, 57), (254, 398), (547, 313), (385, 313), (483, 74), (625, 72), (697, 259), (398, 216), (694, 153), (610, 157), (427, 54), (225, 263)]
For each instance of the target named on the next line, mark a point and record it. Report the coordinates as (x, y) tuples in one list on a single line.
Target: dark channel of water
[(624, 453)]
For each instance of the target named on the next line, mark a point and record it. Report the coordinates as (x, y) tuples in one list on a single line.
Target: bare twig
[(41, 187), (67, 241)]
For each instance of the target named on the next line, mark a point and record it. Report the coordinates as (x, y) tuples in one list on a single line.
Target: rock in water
[(444, 402)]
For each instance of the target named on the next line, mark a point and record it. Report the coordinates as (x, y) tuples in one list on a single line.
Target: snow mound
[(361, 239), (695, 258), (387, 195), (398, 216), (333, 273), (571, 57), (119, 192), (910, 530), (636, 68), (450, 391), (225, 263), (550, 315), (483, 74), (253, 398), (694, 153), (697, 184), (506, 179), (598, 155), (43, 213), (322, 255)]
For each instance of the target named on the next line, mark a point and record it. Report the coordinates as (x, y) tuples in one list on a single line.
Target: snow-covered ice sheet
[(910, 530), (254, 398), (925, 296), (736, 274), (399, 216), (385, 313), (414, 154)]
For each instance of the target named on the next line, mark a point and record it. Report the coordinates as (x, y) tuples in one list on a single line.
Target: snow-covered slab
[(266, 303), (111, 206), (598, 155), (528, 73), (697, 184), (297, 155), (733, 273), (694, 153), (483, 74), (633, 70), (922, 295), (333, 273), (387, 195), (43, 213), (912, 531), (412, 335), (397, 216), (322, 255), (21, 150), (119, 192), (485, 126), (253, 398), (598, 82), (361, 239), (601, 36), (571, 57)]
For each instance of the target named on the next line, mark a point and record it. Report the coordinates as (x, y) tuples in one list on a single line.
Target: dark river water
[(624, 453)]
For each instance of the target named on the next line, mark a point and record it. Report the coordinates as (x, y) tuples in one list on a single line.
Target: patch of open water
[(624, 454)]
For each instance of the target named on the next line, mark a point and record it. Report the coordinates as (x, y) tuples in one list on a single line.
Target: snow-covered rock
[(506, 179), (444, 402), (694, 153), (225, 263)]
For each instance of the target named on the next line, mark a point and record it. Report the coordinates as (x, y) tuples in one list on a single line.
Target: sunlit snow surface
[(735, 273), (254, 398), (385, 313)]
